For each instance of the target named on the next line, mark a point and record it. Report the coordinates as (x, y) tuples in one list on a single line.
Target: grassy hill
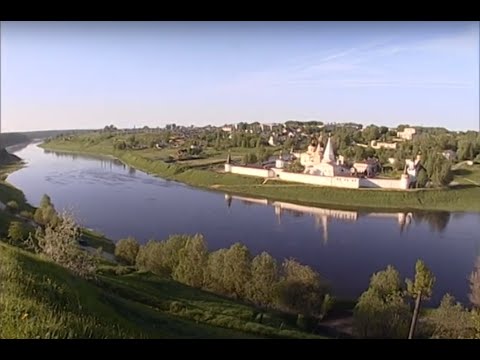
[(40, 299)]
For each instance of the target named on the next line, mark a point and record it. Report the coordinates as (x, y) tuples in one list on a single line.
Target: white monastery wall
[(244, 170), (381, 183), (334, 181)]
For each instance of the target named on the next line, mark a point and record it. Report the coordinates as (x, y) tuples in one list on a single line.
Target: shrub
[(16, 233), (60, 243), (126, 250), (12, 205)]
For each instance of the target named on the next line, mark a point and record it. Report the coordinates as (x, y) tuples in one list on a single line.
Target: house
[(382, 145), (407, 133)]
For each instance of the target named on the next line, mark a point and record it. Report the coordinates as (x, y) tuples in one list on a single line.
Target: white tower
[(328, 154)]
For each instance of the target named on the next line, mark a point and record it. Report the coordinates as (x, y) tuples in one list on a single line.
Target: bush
[(60, 244), (161, 257), (16, 233), (126, 250), (12, 205)]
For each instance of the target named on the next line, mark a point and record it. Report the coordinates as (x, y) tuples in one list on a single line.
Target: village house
[(382, 145), (407, 133)]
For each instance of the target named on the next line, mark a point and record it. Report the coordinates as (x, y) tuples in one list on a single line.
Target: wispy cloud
[(373, 64)]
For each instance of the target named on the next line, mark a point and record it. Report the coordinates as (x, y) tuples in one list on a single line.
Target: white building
[(324, 164), (382, 145), (407, 133)]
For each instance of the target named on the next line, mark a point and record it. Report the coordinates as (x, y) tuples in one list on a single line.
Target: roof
[(328, 154)]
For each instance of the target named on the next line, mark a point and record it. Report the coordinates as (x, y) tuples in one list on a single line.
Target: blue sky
[(62, 75)]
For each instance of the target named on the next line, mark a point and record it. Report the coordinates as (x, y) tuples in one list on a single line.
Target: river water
[(346, 247)]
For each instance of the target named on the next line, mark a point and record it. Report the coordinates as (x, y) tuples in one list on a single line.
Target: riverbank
[(9, 193), (463, 197)]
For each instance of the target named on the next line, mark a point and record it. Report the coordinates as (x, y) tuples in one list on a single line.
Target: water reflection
[(108, 163), (437, 220)]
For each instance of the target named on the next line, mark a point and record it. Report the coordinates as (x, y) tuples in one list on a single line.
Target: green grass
[(458, 198), (39, 299), (467, 175)]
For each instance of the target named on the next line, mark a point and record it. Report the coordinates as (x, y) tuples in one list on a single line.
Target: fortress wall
[(381, 183), (244, 170)]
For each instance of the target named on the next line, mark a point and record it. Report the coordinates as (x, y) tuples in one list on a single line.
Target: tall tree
[(451, 320), (264, 279), (192, 262), (215, 272), (237, 270), (300, 289), (381, 311), (419, 289)]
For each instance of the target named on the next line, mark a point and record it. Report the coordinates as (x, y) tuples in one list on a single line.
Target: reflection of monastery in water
[(321, 215)]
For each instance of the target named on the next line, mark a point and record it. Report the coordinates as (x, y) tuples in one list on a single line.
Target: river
[(346, 247)]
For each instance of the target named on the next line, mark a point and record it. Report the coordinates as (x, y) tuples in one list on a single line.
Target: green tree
[(419, 289), (218, 142), (192, 262), (126, 250), (46, 213), (215, 272), (171, 250), (45, 201), (451, 320), (422, 178), (371, 132), (466, 150), (16, 232), (264, 278), (161, 257), (249, 158), (46, 216), (359, 153), (237, 270), (300, 289), (381, 311), (150, 258)]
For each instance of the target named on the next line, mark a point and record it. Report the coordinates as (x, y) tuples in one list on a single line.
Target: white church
[(324, 169)]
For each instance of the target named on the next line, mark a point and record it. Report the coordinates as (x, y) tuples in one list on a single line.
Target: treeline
[(10, 139), (233, 272)]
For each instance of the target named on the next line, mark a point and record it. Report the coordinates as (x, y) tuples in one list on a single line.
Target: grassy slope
[(461, 198), (8, 193), (41, 299)]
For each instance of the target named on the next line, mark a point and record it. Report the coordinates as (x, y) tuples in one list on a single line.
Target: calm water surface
[(346, 247)]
